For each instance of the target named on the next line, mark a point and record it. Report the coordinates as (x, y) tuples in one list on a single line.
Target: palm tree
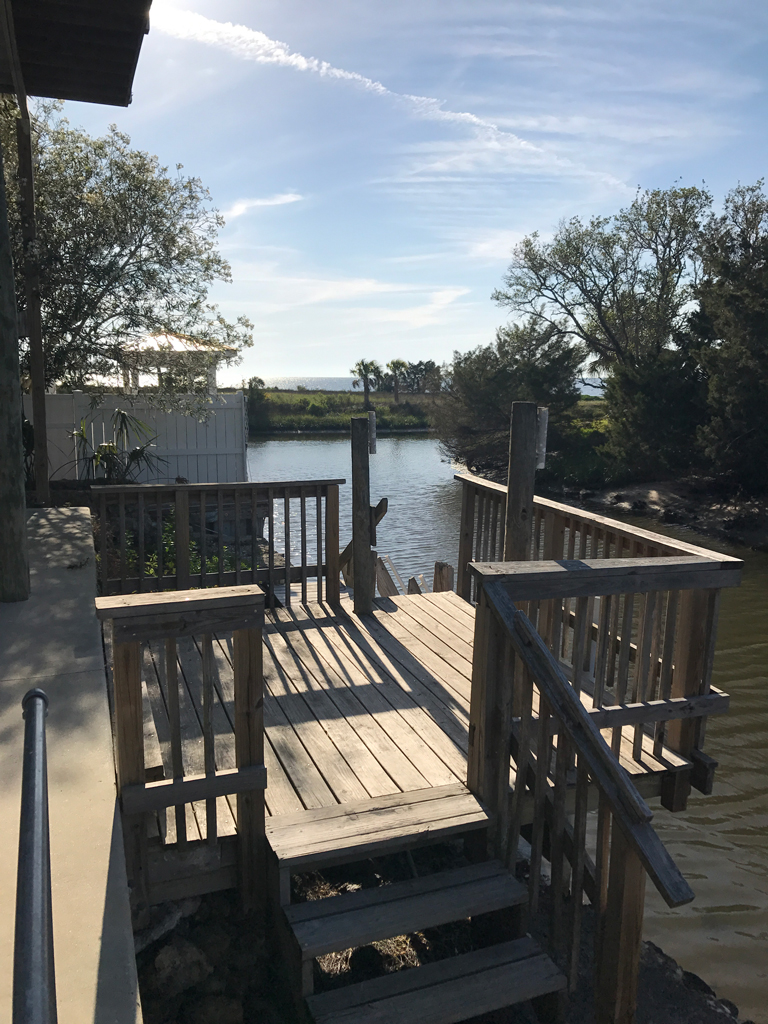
[(367, 374), (397, 368)]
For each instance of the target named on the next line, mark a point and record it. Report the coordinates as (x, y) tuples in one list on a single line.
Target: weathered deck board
[(356, 708)]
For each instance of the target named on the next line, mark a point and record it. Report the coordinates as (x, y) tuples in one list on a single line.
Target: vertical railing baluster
[(159, 539), (174, 726), (668, 654), (254, 538), (319, 541), (577, 868), (287, 545), (303, 514), (220, 532), (236, 497), (140, 514), (271, 519), (103, 567), (209, 754), (332, 591), (203, 538), (543, 747), (121, 527)]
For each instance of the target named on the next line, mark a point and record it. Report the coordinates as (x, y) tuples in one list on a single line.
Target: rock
[(213, 939), (164, 920), (215, 1009), (638, 505), (732, 1008), (691, 980), (616, 499), (179, 966)]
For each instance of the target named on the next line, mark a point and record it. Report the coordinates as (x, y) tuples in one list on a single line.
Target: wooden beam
[(14, 578), (520, 481), (154, 796), (364, 577)]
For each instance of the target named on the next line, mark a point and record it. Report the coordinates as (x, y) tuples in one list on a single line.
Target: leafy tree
[(423, 377), (397, 369), (527, 362), (368, 375), (731, 330), (618, 285), (125, 248)]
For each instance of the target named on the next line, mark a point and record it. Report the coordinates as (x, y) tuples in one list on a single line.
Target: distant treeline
[(274, 411)]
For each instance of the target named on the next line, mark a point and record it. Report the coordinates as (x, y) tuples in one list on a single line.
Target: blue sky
[(375, 162)]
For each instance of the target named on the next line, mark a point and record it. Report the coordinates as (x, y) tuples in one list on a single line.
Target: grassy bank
[(274, 411)]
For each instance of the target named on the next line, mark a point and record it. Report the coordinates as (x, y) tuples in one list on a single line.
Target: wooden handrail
[(242, 485), (627, 806)]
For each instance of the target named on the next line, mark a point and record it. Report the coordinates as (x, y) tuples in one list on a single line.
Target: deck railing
[(34, 985), (622, 644), (148, 626), (164, 537), (524, 707)]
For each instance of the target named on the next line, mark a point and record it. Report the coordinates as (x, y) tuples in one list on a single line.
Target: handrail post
[(466, 537), (248, 673), (521, 476), (620, 935), (34, 984)]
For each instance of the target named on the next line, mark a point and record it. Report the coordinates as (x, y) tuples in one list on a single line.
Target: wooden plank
[(588, 577), (128, 606), (456, 791), (286, 686), (248, 672), (385, 670), (354, 833), (154, 796), (406, 907), (387, 586), (396, 746), (207, 724), (419, 623), (281, 797), (443, 616), (444, 992)]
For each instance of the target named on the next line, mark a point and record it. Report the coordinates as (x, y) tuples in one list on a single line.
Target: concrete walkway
[(53, 641)]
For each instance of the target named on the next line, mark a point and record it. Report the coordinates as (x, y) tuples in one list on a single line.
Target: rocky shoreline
[(683, 503)]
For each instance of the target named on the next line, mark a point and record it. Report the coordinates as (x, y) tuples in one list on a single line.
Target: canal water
[(721, 841)]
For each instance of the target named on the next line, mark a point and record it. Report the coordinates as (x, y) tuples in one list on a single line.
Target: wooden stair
[(343, 833), (450, 990)]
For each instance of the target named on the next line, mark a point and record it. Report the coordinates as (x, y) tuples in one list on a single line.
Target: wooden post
[(32, 294), (466, 536), (129, 756), (332, 588), (621, 934), (520, 481), (443, 578), (249, 750), (364, 576), (490, 718), (181, 538), (14, 577)]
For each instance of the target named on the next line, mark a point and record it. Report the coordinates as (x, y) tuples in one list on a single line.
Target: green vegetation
[(274, 411), (668, 303), (124, 247)]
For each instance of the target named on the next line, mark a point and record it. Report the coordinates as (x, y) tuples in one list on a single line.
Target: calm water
[(721, 841), (345, 384)]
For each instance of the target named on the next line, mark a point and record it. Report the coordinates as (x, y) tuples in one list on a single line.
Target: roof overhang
[(83, 50)]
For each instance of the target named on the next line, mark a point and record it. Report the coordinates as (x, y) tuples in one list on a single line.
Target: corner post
[(249, 751), (521, 476), (129, 755), (620, 935), (332, 587), (466, 537), (362, 555)]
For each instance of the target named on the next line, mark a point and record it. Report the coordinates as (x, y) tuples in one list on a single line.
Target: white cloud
[(250, 44), (241, 206)]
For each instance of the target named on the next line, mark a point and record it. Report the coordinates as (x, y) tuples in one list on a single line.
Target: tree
[(397, 368), (730, 328), (527, 362), (367, 374), (618, 285), (125, 248), (422, 377)]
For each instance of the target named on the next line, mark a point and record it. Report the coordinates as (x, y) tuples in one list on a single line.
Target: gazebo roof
[(76, 49)]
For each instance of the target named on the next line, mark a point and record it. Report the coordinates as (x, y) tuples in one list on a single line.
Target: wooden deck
[(356, 709)]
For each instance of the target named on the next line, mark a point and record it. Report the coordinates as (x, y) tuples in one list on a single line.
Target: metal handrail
[(34, 984)]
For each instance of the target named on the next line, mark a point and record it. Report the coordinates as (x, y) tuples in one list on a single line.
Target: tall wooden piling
[(520, 482), (362, 556)]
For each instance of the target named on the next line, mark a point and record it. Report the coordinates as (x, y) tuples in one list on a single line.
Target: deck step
[(447, 991), (357, 918), (366, 828)]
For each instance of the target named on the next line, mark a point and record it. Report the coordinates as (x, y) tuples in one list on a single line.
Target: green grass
[(270, 411)]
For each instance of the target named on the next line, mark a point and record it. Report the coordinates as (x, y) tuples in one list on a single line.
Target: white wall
[(209, 452)]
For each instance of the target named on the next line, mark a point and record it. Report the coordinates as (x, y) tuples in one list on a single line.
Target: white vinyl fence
[(212, 451)]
